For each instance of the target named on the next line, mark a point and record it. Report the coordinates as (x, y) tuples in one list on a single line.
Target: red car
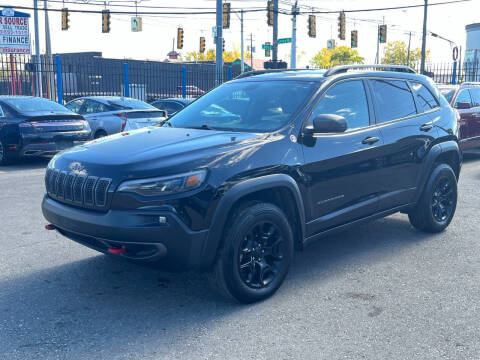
[(191, 91), (466, 99)]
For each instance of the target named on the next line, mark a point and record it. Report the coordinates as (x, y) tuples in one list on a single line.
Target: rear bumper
[(51, 143), (171, 244)]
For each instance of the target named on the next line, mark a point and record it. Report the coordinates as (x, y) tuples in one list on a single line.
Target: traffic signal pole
[(219, 43), (275, 31), (293, 59), (424, 38), (242, 66)]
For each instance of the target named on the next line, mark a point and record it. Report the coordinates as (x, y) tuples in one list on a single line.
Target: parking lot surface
[(379, 291)]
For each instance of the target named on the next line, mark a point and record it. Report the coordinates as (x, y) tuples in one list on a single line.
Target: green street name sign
[(267, 47), (285, 40)]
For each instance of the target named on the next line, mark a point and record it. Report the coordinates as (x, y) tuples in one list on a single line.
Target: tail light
[(122, 116)]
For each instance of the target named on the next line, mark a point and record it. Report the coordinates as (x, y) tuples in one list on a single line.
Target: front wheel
[(438, 203), (256, 255)]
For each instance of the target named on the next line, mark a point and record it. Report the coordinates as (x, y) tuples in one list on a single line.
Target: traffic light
[(202, 44), (268, 51), (226, 15), (312, 26), (65, 19), (270, 12), (341, 26), (105, 21), (382, 33), (223, 44), (180, 38), (354, 39)]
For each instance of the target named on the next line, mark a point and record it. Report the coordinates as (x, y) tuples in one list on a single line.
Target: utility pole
[(293, 52), (275, 32), (38, 68), (424, 38), (378, 45), (242, 66), (219, 43), (408, 52), (48, 52)]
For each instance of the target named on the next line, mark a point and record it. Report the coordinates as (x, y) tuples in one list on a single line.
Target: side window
[(463, 96), (173, 107), (394, 100), (93, 107), (347, 99), (475, 93), (74, 105), (425, 100)]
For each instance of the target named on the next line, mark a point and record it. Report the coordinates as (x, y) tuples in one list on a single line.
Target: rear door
[(466, 115), (407, 132), (341, 169), (475, 124)]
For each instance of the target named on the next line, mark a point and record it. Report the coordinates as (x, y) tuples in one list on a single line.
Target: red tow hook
[(116, 250), (49, 227)]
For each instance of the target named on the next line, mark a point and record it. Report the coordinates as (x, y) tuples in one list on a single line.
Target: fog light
[(162, 220)]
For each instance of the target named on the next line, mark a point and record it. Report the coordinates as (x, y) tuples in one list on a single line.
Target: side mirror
[(327, 123), (463, 105)]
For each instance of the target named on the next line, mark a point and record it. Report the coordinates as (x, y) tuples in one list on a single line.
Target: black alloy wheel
[(442, 199), (261, 255)]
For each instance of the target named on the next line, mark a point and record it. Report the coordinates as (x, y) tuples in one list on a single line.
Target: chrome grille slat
[(101, 191), (78, 188), (89, 190), (69, 186), (53, 182), (61, 183)]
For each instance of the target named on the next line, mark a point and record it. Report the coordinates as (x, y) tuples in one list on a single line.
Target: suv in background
[(466, 99), (260, 166)]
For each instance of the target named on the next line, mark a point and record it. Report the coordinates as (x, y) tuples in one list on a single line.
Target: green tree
[(396, 53), (210, 55), (341, 55)]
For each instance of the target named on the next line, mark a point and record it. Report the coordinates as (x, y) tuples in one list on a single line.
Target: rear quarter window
[(394, 100), (426, 101)]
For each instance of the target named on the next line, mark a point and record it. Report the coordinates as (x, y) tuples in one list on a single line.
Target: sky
[(155, 41)]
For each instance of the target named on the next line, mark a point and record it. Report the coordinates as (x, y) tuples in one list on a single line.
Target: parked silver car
[(108, 115)]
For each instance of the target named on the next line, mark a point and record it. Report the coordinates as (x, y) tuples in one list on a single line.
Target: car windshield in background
[(130, 104), (246, 106), (448, 93), (34, 104)]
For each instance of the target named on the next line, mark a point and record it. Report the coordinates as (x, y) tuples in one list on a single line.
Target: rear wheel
[(5, 157), (99, 134), (256, 255), (438, 203)]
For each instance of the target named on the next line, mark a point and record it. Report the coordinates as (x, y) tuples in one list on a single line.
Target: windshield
[(129, 104), (35, 104), (246, 106), (448, 93)]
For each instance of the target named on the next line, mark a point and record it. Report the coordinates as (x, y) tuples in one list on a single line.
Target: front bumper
[(170, 244)]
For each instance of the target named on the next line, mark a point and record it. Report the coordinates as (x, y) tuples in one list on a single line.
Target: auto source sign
[(14, 32)]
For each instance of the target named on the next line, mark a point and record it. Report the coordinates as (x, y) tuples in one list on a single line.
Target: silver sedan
[(108, 115)]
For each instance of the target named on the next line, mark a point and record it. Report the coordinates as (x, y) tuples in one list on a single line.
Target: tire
[(438, 202), (256, 253), (99, 134), (5, 158)]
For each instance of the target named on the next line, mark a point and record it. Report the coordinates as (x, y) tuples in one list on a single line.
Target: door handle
[(370, 140), (426, 127)]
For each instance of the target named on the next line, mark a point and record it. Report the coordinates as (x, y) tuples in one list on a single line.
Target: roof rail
[(261, 72), (383, 67)]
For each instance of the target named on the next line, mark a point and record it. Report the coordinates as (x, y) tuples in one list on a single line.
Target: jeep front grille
[(80, 190)]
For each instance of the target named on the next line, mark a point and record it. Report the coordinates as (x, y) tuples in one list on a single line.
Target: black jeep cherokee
[(261, 166)]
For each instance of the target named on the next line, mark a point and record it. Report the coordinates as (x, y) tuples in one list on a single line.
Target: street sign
[(455, 53), (136, 24), (331, 44), (14, 32), (267, 47), (251, 48), (284, 40)]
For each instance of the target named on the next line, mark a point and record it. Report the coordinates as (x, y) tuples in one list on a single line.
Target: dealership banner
[(14, 32)]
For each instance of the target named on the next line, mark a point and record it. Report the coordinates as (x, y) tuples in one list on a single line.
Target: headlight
[(162, 186)]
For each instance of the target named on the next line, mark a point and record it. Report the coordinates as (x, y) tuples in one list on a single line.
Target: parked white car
[(108, 115)]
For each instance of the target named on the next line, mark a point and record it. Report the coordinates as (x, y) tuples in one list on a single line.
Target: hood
[(153, 151)]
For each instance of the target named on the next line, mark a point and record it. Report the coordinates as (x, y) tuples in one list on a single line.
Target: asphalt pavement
[(379, 291)]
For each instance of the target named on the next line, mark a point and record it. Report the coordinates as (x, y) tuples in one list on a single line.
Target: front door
[(340, 169)]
